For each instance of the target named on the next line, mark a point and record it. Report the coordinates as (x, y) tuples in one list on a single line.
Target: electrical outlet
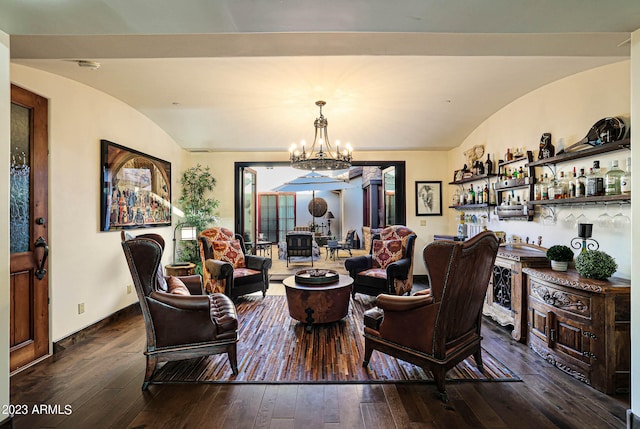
[(128, 289), (81, 308), (423, 222)]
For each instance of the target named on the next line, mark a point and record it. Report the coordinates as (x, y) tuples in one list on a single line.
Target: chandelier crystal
[(321, 155)]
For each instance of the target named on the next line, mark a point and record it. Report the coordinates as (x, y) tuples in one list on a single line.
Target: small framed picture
[(429, 198)]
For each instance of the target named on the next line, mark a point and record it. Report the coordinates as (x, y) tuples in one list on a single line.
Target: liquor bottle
[(552, 187), (462, 228), (595, 181), (479, 196), (572, 184), (544, 189), (492, 194), (488, 165), (538, 190), (591, 183), (625, 180), (612, 179), (485, 194), (471, 199), (562, 190), (455, 200), (581, 185), (508, 156)]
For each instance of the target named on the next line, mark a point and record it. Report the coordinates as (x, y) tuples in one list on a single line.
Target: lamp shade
[(187, 233)]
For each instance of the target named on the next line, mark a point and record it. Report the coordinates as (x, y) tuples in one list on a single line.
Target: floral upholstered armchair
[(389, 266), (226, 267)]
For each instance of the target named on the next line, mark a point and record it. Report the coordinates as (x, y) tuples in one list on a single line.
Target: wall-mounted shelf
[(584, 200), (472, 206), (472, 179), (520, 211), (591, 151), (515, 212), (520, 158)]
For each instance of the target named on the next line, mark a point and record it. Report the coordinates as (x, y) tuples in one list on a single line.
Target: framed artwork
[(136, 189), (428, 198)]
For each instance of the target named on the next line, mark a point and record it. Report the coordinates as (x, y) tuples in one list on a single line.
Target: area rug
[(279, 269), (274, 348)]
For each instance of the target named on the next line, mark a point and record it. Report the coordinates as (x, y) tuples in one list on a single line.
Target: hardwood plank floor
[(100, 378)]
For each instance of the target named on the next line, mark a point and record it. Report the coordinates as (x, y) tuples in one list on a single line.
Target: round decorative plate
[(317, 276)]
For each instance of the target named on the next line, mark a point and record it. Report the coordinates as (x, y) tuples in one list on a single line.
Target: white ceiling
[(245, 74)]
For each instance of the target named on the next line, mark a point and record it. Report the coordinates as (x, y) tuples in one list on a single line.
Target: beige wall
[(567, 109), (5, 102), (87, 265), (420, 166)]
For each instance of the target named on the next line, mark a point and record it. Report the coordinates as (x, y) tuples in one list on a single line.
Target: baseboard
[(78, 336), (633, 421)]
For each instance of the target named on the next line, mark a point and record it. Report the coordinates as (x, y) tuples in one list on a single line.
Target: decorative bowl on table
[(315, 276)]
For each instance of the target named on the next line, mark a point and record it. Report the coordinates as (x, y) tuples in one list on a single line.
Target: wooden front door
[(29, 314)]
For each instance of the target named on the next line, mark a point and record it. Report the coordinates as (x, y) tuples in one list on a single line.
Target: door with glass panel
[(389, 191), (249, 210), (277, 215), (28, 218), (286, 214)]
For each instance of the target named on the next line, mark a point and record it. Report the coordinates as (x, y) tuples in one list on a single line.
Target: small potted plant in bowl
[(595, 264), (560, 256)]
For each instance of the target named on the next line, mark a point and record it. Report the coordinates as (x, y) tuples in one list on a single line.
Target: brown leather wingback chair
[(231, 272), (396, 278), (181, 322), (437, 330)]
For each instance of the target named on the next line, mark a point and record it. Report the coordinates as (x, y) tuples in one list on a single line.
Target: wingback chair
[(226, 268), (440, 328), (388, 268), (181, 322)]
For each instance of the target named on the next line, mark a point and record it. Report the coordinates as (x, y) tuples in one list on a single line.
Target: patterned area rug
[(274, 348)]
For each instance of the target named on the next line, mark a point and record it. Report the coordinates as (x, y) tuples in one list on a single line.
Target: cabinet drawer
[(559, 298)]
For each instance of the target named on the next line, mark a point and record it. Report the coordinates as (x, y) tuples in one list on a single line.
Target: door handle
[(41, 271)]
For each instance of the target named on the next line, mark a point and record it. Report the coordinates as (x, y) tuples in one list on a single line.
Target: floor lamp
[(187, 233)]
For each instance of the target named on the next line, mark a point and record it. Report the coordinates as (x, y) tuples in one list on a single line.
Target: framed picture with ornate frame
[(428, 198), (136, 189)]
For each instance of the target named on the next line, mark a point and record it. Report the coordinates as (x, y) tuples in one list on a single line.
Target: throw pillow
[(229, 251), (386, 252), (177, 286)]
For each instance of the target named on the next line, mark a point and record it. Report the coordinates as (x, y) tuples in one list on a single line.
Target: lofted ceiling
[(244, 75)]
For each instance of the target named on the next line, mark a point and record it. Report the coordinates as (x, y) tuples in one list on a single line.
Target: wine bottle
[(625, 180)]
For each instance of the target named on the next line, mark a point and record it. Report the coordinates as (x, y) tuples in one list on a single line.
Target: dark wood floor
[(100, 378)]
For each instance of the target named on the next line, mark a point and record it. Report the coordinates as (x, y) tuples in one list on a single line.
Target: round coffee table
[(313, 304)]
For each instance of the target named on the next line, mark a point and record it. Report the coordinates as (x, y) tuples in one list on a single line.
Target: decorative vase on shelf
[(559, 265)]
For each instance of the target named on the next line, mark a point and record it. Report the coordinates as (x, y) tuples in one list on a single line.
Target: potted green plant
[(198, 207), (560, 256), (595, 264)]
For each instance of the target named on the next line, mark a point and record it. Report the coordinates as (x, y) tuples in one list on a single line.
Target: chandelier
[(321, 155)]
